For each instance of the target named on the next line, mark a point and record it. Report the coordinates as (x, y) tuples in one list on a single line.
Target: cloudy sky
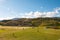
[(29, 8)]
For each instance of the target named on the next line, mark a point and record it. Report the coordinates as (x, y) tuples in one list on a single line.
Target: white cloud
[(42, 14), (7, 18), (37, 14), (31, 14), (50, 14), (57, 10)]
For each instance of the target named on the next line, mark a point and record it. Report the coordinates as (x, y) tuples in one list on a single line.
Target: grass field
[(29, 33)]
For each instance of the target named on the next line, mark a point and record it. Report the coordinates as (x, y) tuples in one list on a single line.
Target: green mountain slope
[(35, 22)]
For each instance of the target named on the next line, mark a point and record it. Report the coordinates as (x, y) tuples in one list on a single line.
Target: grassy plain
[(28, 33)]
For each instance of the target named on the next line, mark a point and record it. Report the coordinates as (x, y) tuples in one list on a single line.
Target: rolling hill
[(31, 22)]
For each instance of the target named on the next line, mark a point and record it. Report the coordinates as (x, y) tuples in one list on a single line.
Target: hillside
[(35, 22)]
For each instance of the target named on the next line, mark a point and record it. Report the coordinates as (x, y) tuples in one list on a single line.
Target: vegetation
[(35, 22), (30, 34), (38, 29)]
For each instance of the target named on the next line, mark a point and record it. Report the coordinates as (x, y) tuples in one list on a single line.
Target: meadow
[(28, 33)]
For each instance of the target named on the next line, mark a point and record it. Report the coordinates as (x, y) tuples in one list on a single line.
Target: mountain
[(32, 22)]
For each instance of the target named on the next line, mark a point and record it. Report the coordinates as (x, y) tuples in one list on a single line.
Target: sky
[(29, 8)]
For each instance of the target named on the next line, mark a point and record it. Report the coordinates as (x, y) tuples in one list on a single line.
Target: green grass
[(40, 33)]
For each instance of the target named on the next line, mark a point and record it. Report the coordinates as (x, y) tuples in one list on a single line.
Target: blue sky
[(29, 8)]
